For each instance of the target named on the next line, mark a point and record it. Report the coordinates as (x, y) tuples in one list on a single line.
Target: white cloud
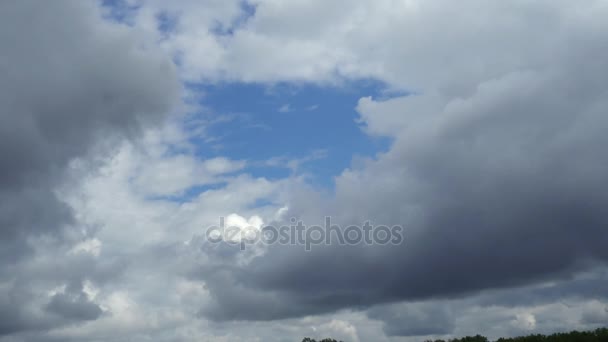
[(525, 321), (415, 45), (286, 108), (91, 246)]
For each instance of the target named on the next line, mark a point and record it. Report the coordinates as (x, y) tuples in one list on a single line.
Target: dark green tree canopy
[(599, 335)]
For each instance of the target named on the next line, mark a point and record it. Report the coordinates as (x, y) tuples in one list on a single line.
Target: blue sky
[(317, 123)]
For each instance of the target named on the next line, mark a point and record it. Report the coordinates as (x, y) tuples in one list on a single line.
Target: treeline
[(599, 335)]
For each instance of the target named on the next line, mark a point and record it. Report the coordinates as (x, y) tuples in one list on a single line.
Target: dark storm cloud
[(597, 317), (414, 319), (70, 83), (66, 85), (504, 185), (438, 316), (587, 287), (74, 307)]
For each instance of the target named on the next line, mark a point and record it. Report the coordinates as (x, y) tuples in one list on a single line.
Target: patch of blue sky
[(188, 194), (166, 22), (247, 12), (119, 10), (262, 202), (314, 126)]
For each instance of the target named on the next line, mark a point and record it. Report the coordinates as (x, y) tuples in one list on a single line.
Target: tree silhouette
[(598, 335)]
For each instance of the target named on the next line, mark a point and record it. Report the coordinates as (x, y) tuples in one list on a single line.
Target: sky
[(130, 128)]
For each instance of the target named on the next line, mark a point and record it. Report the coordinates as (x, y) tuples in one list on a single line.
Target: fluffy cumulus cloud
[(496, 117)]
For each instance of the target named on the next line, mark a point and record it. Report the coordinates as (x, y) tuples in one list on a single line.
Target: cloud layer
[(496, 169), (69, 88)]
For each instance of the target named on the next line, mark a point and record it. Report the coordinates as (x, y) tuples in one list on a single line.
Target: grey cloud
[(73, 304), (74, 307), (21, 311), (596, 316), (498, 308), (497, 170), (503, 186), (588, 286), (71, 85), (414, 319), (67, 84)]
